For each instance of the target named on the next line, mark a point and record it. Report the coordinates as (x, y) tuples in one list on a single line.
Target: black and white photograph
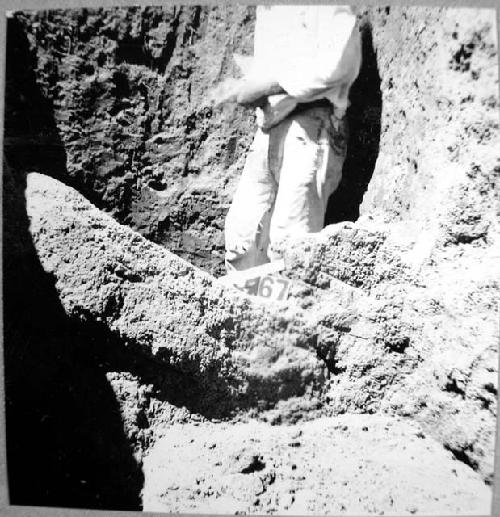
[(251, 258)]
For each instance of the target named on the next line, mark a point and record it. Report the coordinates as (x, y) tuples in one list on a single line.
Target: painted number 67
[(273, 288)]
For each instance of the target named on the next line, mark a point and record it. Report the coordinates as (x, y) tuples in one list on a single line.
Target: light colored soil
[(351, 464)]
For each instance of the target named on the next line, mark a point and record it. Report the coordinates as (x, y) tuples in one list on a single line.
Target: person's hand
[(250, 91), (255, 90), (226, 91)]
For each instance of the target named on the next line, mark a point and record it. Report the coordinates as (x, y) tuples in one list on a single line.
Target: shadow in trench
[(66, 444), (364, 137), (65, 434)]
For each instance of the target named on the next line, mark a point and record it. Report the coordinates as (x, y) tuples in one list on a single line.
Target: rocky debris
[(420, 263), (410, 335), (353, 464), (357, 255)]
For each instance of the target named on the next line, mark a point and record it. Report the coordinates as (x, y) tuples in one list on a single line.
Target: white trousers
[(288, 176)]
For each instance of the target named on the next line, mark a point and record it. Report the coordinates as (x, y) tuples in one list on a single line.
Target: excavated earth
[(372, 389)]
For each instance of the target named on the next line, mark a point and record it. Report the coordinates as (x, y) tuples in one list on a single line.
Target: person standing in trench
[(305, 61)]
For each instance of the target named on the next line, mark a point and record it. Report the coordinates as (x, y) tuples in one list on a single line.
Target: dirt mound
[(417, 341), (240, 351), (346, 348)]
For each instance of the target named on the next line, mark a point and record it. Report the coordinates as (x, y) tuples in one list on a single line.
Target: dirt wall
[(128, 92)]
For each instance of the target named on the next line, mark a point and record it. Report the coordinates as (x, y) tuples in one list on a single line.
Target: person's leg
[(247, 221), (311, 169)]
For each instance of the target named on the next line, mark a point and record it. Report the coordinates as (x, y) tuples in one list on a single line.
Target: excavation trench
[(109, 338)]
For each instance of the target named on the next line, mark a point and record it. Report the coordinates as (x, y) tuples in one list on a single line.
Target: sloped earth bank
[(387, 347), (250, 362)]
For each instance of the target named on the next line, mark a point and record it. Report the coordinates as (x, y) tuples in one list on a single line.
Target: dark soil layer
[(127, 89)]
